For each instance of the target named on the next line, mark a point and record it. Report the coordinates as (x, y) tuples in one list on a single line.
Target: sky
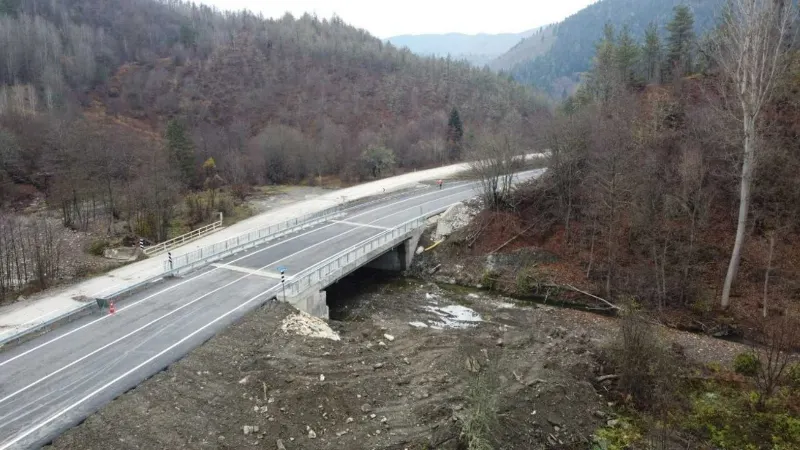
[(391, 18)]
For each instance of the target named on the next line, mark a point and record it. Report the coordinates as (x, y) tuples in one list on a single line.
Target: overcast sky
[(390, 18)]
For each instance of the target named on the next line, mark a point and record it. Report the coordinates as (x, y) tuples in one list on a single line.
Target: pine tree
[(651, 54), (627, 56), (9, 7), (604, 74), (680, 42), (181, 151), (455, 136)]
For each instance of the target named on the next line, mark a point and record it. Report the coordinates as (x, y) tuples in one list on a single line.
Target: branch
[(594, 297)]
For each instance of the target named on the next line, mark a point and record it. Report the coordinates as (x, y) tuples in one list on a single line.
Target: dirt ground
[(404, 375)]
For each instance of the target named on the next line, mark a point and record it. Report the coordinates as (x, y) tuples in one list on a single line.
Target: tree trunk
[(769, 267), (744, 206)]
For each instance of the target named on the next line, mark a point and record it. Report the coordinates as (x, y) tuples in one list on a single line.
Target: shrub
[(98, 247), (622, 436), (747, 364), (489, 279), (793, 376), (638, 357), (480, 417)]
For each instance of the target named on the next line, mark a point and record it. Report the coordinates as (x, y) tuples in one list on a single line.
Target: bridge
[(52, 382)]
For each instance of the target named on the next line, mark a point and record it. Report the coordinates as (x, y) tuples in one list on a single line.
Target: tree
[(9, 7), (750, 49), (495, 160), (651, 54), (181, 151), (680, 42), (377, 159), (455, 136), (604, 75), (626, 56)]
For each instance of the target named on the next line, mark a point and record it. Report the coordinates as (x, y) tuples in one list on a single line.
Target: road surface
[(53, 382)]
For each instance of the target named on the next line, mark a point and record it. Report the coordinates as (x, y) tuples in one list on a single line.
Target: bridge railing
[(337, 266), (204, 255), (184, 238)]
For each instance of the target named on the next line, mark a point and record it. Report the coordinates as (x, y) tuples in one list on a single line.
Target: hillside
[(570, 53), (142, 118), (478, 49), (530, 47)]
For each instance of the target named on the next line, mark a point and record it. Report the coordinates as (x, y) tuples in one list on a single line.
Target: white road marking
[(117, 379), (249, 272), (344, 222), (134, 304), (95, 392), (256, 272)]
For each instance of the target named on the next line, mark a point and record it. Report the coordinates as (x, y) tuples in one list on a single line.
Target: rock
[(312, 434), (389, 337), (242, 381), (405, 360), (384, 420), (372, 416), (555, 421), (612, 422), (341, 433), (321, 377), (420, 249), (349, 420), (366, 407), (418, 324), (456, 217), (279, 445), (377, 366), (247, 429), (600, 414), (499, 342), (381, 344)]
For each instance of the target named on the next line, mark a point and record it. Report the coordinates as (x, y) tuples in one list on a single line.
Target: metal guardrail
[(341, 264), (204, 255), (184, 238)]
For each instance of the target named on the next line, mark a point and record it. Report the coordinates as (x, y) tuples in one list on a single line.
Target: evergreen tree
[(680, 42), (651, 54), (455, 136), (181, 151), (627, 56), (9, 7), (604, 73)]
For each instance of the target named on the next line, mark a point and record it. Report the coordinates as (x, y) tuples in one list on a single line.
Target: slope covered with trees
[(570, 54), (114, 110)]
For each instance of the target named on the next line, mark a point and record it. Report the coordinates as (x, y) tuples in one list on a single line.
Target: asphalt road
[(53, 382)]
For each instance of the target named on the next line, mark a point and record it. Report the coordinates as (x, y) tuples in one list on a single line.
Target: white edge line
[(120, 377), (57, 338), (249, 274), (2, 363)]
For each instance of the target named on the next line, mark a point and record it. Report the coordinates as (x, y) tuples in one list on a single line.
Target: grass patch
[(731, 419), (98, 247), (480, 417), (621, 434)]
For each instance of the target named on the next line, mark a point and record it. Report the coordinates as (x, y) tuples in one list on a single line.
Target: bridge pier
[(399, 258), (313, 303), (312, 300)]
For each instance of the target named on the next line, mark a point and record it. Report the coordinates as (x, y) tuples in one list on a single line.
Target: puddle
[(453, 316)]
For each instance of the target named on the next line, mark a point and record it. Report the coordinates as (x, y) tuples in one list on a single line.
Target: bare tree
[(495, 159), (750, 48)]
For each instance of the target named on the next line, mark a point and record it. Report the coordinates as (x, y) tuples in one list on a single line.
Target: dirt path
[(388, 383)]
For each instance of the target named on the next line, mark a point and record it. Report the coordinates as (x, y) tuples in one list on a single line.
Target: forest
[(117, 114), (569, 56)]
